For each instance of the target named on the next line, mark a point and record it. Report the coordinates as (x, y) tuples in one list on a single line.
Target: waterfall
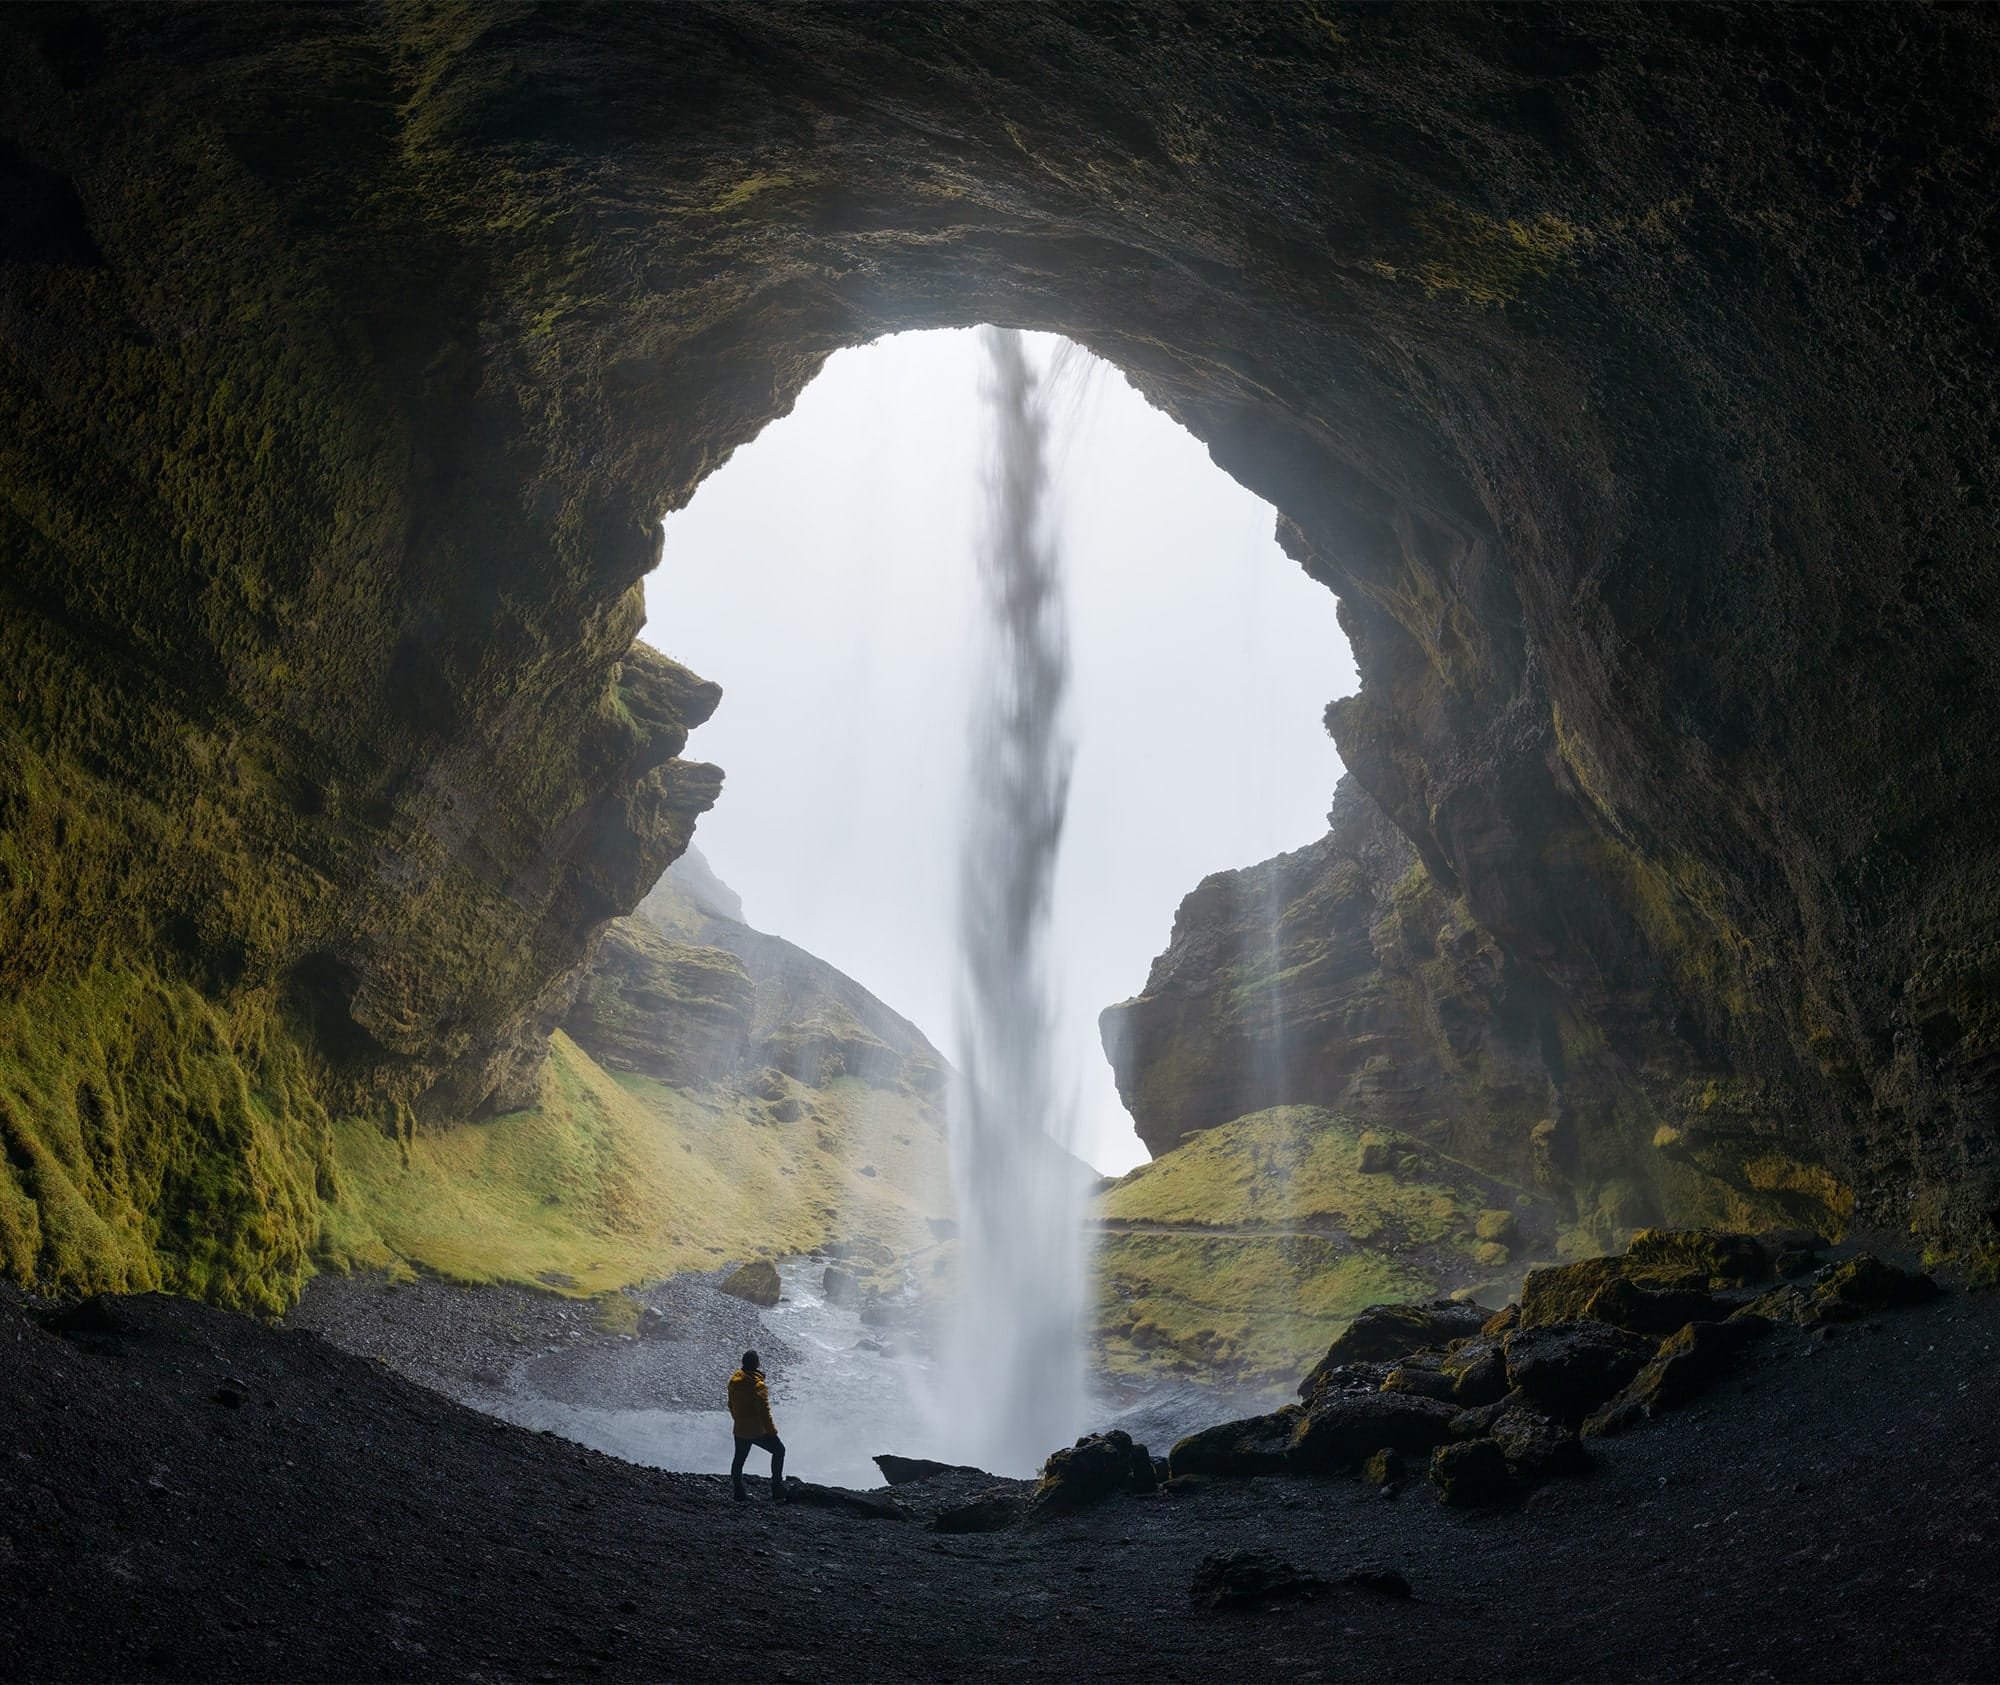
[(1014, 1362)]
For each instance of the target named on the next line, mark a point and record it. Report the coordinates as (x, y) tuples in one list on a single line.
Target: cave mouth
[(824, 577)]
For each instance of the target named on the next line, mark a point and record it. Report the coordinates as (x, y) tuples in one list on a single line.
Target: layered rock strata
[(1625, 371)]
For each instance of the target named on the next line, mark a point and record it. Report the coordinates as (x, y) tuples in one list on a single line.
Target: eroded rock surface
[(1624, 370)]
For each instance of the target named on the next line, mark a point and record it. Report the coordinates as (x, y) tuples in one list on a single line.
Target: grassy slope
[(1267, 1306), (611, 1181)]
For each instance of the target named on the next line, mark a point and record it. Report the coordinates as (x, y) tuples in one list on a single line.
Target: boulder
[(1343, 1430), (1420, 1382), (1477, 1371), (756, 1282), (1496, 1225), (1569, 1368), (1725, 1257), (842, 1287), (1375, 1158), (1535, 1446), (1477, 1423), (993, 1513), (1653, 1311), (1394, 1331), (1688, 1362), (1470, 1473), (908, 1471), (1254, 1445), (1385, 1468), (1240, 1579), (1864, 1283), (1096, 1467)]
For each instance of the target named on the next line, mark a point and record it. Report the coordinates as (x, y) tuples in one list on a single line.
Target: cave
[(1626, 374)]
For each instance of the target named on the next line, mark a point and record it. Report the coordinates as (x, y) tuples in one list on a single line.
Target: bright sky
[(825, 577)]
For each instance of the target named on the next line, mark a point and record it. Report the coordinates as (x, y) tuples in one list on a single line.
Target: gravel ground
[(192, 1495)]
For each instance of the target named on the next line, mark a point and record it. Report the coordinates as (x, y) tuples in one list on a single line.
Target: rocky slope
[(1342, 977), (1624, 370)]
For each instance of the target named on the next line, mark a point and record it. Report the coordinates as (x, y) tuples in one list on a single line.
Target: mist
[(826, 577)]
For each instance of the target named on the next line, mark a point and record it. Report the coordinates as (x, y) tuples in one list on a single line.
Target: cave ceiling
[(1627, 373)]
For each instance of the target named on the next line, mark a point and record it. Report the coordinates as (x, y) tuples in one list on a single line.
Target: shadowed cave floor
[(1834, 1512)]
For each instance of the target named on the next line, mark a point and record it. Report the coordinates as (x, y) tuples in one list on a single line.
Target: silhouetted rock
[(1254, 1445), (1239, 1579), (1535, 1446), (869, 1506), (908, 1471), (1864, 1283), (1097, 1466)]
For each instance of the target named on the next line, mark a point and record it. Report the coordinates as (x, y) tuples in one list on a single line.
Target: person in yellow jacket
[(750, 1415)]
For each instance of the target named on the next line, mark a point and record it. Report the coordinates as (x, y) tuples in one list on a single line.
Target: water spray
[(1014, 1362)]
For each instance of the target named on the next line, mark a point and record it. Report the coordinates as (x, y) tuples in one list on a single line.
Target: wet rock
[(1688, 1362), (1344, 1430), (1864, 1283), (1471, 1473), (756, 1282), (1570, 1368), (1420, 1382), (1394, 1331), (1255, 1445), (993, 1513), (908, 1471), (1385, 1468), (1240, 1579), (841, 1287), (1653, 1311), (1477, 1371), (1535, 1446), (1096, 1467)]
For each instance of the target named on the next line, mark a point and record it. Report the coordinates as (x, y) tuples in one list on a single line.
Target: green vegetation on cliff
[(1243, 1252), (611, 1181)]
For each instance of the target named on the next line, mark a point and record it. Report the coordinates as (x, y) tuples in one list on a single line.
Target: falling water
[(1015, 1366)]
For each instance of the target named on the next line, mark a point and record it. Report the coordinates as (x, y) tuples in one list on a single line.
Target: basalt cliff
[(1626, 372)]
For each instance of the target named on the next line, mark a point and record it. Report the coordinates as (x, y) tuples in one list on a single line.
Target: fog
[(825, 576)]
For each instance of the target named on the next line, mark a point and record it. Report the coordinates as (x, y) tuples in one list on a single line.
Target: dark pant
[(764, 1442)]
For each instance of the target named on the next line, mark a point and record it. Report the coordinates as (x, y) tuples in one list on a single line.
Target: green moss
[(153, 1141), (609, 1182)]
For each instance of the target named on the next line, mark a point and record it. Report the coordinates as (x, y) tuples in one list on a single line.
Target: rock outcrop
[(1623, 370)]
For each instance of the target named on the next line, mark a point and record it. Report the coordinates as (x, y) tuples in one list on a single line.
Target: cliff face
[(1625, 371), (686, 992)]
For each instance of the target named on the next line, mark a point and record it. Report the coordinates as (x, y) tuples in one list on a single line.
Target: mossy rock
[(1490, 1254), (1497, 1225), (756, 1281)]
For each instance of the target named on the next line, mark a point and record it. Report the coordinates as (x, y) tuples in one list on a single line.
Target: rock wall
[(1625, 371)]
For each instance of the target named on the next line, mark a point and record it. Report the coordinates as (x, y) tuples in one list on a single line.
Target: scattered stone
[(993, 1513), (1096, 1467), (756, 1282), (1343, 1430), (1254, 1445), (908, 1471), (653, 1324), (1471, 1473), (1396, 1331), (1569, 1369), (1239, 1579), (1687, 1362)]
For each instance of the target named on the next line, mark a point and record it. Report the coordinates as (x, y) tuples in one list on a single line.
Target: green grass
[(609, 1182), (1264, 1307)]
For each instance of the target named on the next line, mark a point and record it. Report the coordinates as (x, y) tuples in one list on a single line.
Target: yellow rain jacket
[(750, 1406)]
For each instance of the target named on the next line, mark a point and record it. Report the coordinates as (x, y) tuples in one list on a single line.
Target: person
[(750, 1415)]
